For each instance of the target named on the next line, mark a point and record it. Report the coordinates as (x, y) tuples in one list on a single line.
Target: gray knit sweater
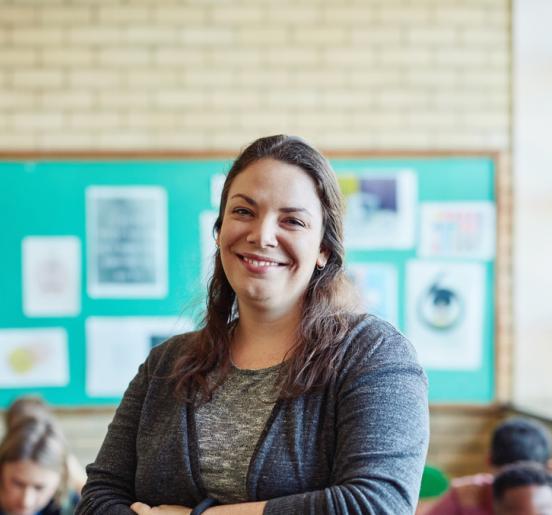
[(357, 447)]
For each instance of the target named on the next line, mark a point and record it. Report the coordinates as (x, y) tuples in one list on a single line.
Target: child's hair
[(518, 475), (35, 437), (520, 439), (26, 407)]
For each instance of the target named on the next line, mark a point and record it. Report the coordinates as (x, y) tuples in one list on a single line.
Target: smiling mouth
[(257, 261)]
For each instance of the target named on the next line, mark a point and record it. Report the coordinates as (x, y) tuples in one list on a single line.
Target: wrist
[(204, 506)]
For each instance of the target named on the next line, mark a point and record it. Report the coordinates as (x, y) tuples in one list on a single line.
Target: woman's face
[(26, 487), (270, 235)]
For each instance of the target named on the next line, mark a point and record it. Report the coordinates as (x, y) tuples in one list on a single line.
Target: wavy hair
[(328, 312)]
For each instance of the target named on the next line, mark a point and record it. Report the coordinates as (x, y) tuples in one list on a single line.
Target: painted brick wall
[(211, 74)]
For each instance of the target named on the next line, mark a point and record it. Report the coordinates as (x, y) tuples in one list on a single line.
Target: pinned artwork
[(33, 358), (208, 245), (377, 285), (458, 230), (445, 304), (51, 276), (116, 346), (380, 210), (217, 183), (127, 241)]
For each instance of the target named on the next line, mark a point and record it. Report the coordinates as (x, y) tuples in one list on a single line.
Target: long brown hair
[(38, 439), (327, 306)]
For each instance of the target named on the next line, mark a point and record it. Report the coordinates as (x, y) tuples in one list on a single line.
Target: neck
[(263, 339)]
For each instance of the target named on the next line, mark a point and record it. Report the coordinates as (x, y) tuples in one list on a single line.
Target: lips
[(260, 261)]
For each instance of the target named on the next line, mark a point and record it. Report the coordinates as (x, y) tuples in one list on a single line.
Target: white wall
[(533, 205)]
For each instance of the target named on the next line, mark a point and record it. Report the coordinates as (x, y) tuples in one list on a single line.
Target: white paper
[(51, 276), (458, 230), (127, 241), (445, 305), (116, 346), (33, 358), (377, 285), (217, 183), (380, 209), (207, 220)]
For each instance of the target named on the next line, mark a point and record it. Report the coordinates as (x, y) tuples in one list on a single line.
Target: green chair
[(434, 482)]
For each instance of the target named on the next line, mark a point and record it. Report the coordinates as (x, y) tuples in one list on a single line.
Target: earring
[(320, 267)]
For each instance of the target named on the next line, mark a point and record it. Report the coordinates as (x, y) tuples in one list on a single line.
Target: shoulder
[(471, 494), (66, 507), (380, 366), (164, 354), (374, 342)]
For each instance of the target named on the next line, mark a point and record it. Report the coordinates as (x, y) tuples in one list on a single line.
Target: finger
[(140, 508)]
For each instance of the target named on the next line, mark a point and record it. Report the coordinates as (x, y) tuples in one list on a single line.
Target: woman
[(33, 469), (285, 401)]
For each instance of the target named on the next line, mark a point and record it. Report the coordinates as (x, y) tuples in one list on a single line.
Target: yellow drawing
[(24, 358)]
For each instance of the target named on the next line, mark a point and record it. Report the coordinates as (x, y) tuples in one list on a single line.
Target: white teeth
[(254, 262)]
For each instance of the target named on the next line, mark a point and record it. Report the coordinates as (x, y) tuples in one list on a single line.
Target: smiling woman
[(287, 400)]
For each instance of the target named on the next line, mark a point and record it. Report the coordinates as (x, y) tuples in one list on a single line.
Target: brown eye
[(241, 211), (295, 221)]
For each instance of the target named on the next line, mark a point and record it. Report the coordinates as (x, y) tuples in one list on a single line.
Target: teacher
[(287, 400)]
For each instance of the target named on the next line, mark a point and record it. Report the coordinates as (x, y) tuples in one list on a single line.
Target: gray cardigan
[(357, 447)]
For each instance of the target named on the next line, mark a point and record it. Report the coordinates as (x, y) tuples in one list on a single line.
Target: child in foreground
[(34, 471), (523, 489)]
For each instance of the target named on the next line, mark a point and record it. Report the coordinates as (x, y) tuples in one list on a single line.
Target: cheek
[(43, 497)]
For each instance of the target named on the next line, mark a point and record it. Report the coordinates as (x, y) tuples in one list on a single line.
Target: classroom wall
[(147, 74), (387, 75)]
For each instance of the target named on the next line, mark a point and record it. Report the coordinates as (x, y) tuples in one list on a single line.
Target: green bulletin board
[(48, 198)]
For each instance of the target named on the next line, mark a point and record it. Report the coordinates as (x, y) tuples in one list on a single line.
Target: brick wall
[(210, 74)]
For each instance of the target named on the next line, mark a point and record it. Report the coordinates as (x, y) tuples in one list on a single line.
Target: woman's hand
[(164, 509)]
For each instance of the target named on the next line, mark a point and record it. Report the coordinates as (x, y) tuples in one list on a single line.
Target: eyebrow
[(24, 482), (290, 209)]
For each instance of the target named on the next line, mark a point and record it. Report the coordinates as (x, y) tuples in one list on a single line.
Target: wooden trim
[(170, 155), (476, 409), (77, 410), (515, 409)]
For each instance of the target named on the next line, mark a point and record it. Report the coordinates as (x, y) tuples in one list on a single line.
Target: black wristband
[(204, 505)]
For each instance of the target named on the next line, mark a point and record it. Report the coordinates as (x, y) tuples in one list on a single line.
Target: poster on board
[(116, 346), (377, 286), (444, 313), (33, 357), (380, 210), (51, 276), (463, 230), (208, 245), (126, 235)]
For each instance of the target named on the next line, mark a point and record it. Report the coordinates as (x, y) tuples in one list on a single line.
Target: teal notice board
[(50, 198)]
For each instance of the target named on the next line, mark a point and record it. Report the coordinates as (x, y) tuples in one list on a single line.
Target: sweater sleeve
[(382, 433), (110, 485)]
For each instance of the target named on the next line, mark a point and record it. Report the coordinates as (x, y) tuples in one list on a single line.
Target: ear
[(217, 239), (323, 257)]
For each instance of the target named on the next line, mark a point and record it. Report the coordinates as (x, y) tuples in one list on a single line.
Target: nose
[(29, 498), (263, 233)]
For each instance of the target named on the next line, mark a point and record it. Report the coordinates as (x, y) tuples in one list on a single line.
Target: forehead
[(29, 472), (525, 500), (276, 180)]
